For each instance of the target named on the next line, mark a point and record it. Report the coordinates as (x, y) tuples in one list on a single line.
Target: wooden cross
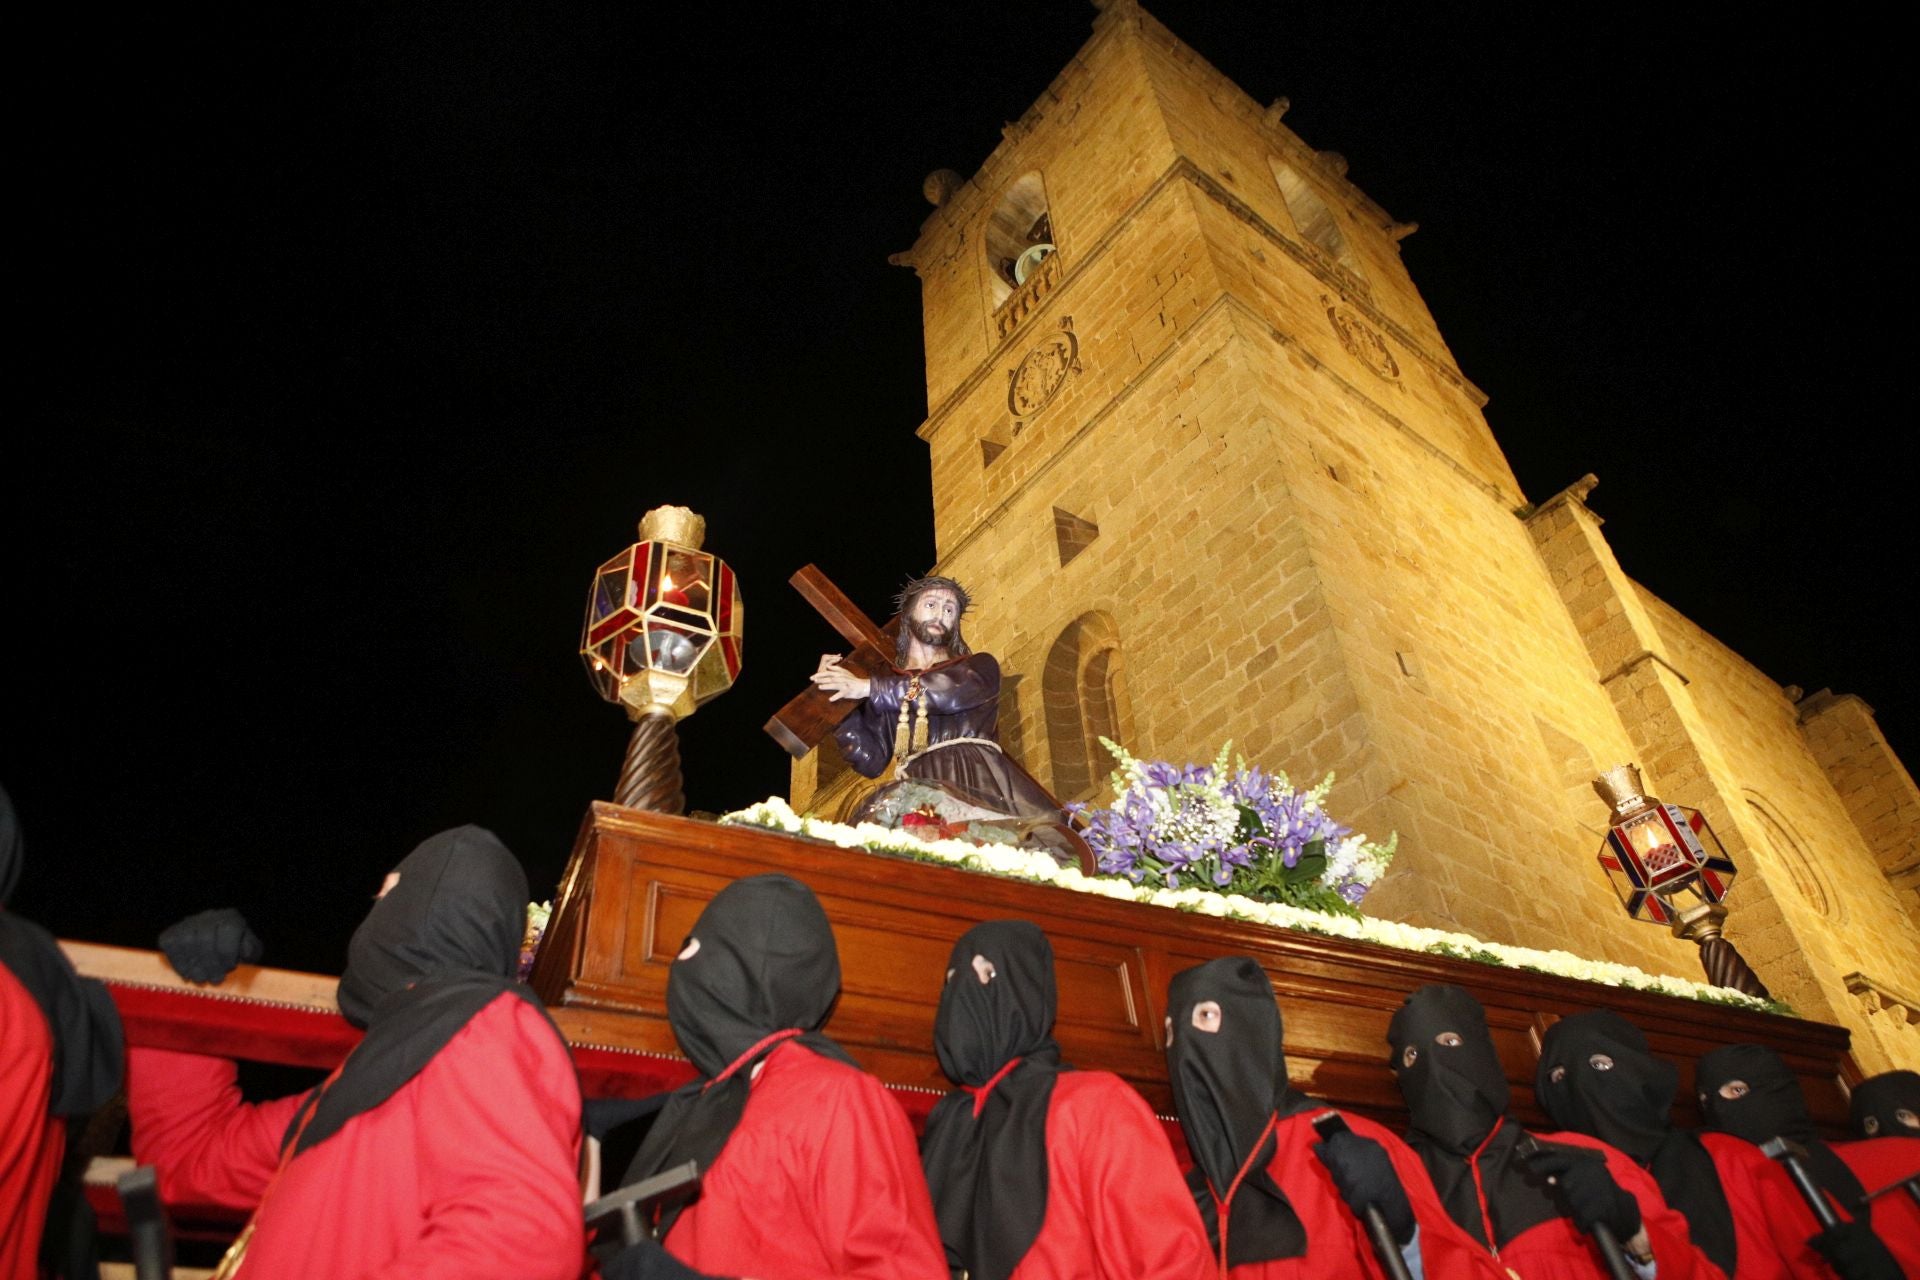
[(802, 723)]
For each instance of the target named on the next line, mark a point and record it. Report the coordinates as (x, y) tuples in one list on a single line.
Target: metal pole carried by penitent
[(1611, 1251), (1327, 1124)]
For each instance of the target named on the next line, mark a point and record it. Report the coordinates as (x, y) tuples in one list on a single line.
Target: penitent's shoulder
[(1097, 1099)]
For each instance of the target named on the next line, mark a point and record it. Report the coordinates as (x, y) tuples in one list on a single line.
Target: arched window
[(1792, 854), (1019, 235), (1085, 700), (1315, 221)]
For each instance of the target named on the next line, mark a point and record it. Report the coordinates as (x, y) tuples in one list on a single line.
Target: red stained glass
[(607, 626), (730, 650), (725, 617)]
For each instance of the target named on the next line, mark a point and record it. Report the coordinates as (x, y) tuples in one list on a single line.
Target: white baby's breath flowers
[(1032, 865)]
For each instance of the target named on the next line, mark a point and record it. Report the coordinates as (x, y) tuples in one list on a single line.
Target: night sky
[(350, 340)]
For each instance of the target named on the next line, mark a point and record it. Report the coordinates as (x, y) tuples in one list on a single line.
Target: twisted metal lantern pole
[(662, 637), (650, 777)]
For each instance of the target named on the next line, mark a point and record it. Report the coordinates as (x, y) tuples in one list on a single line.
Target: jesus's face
[(932, 616)]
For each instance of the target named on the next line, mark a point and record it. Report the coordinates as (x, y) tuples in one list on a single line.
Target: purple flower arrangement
[(1237, 830)]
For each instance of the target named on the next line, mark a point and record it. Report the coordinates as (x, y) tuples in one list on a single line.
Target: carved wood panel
[(642, 878)]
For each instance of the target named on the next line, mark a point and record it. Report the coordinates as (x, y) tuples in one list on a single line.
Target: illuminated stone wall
[(1219, 431)]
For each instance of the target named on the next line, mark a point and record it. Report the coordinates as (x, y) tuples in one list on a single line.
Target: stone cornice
[(1225, 302), (1878, 997)]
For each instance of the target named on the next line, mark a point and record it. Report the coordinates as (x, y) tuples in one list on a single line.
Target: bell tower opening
[(1315, 221), (1019, 235)]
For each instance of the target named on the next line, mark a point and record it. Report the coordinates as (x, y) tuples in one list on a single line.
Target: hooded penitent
[(1457, 1098), (440, 946), (985, 1150), (1230, 1087), (1769, 1106), (760, 968), (1887, 1105), (85, 1027), (1598, 1077)]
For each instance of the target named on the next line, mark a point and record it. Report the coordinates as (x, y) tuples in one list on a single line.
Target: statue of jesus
[(935, 717)]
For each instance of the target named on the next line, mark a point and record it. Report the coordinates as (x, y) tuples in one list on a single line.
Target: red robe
[(468, 1171), (1557, 1250), (1771, 1223), (1879, 1162), (32, 1140), (1117, 1207), (1336, 1240), (820, 1179)]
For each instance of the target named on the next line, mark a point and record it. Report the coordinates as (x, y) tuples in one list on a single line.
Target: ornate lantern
[(661, 637), (1656, 852)]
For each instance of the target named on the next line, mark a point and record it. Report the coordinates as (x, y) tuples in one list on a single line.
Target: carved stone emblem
[(1037, 379), (1360, 339)]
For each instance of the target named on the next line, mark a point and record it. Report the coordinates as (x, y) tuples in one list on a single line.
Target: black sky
[(349, 340)]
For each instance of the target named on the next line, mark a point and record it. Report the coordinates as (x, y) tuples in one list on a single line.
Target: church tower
[(1208, 468)]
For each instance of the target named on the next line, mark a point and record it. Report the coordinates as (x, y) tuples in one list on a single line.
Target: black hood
[(1456, 1093), (1598, 1076), (85, 1027), (985, 1151), (460, 906), (1879, 1101), (980, 1027), (1228, 1084), (13, 853), (1772, 1106), (443, 944), (759, 968), (765, 962)]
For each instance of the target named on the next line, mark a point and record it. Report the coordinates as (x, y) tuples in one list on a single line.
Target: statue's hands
[(838, 681)]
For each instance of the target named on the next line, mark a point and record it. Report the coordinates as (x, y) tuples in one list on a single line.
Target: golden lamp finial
[(677, 525)]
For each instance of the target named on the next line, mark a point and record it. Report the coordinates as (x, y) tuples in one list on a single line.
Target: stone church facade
[(1211, 472)]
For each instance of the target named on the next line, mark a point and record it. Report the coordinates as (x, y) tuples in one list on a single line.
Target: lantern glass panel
[(1655, 848), (685, 579), (632, 651), (679, 617), (611, 591), (674, 649)]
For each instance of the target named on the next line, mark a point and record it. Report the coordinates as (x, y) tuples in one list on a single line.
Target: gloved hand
[(1589, 1192), (1364, 1174), (648, 1260), (1856, 1252), (206, 947)]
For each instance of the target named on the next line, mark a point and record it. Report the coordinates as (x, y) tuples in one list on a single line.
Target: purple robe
[(958, 752)]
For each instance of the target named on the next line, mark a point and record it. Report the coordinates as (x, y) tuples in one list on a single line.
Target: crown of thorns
[(918, 586)]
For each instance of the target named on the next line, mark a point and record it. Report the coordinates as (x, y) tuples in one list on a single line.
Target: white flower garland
[(775, 814)]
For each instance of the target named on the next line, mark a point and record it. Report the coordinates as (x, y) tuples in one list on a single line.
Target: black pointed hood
[(1887, 1105), (985, 1150), (760, 968), (765, 961), (88, 1044), (1598, 1076), (459, 906), (1456, 1093), (1771, 1105), (440, 946), (1449, 1072), (1228, 1085), (13, 852)]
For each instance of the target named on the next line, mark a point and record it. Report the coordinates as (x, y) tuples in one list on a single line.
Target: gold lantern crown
[(677, 525)]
